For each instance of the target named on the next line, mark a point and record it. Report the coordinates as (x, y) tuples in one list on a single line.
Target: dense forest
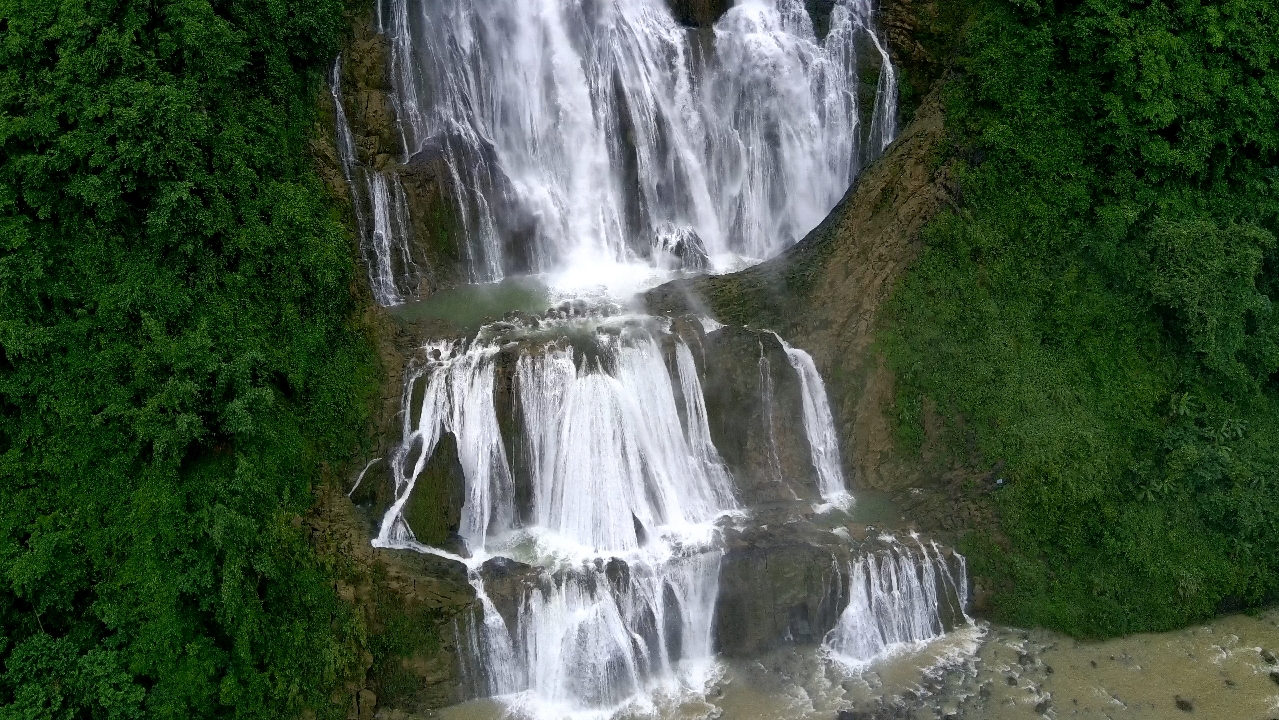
[(1098, 319), (176, 360), (180, 359)]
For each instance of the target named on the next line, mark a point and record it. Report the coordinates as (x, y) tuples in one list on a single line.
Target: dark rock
[(434, 509), (784, 582), (1184, 705), (681, 248), (1012, 681), (778, 586), (819, 11), (1275, 677), (754, 406), (1268, 657), (1042, 707), (699, 13), (506, 582)]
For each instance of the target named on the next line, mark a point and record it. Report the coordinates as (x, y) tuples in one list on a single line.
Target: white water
[(896, 599), (819, 426), (586, 140), (603, 146)]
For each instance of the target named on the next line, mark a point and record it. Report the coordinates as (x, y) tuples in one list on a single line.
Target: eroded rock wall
[(825, 293)]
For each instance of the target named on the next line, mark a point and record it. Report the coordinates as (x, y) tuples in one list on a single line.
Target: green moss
[(432, 510)]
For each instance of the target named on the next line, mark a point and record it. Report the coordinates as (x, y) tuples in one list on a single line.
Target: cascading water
[(625, 484), (381, 214), (585, 136), (593, 141), (898, 599), (819, 425)]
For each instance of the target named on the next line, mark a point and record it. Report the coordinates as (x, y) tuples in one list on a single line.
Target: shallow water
[(1215, 669), (470, 306)]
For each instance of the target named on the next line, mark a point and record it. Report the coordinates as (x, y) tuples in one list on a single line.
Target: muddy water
[(1217, 670)]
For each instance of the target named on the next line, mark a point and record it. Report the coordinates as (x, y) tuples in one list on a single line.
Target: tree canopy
[(1100, 312), (176, 359)]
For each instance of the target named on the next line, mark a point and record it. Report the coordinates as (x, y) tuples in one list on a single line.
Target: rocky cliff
[(825, 294), (822, 295)]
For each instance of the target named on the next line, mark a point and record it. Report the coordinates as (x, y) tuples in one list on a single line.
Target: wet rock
[(434, 509), (1183, 704), (506, 582), (754, 406), (1268, 657), (784, 582), (1275, 677), (680, 248), (778, 586), (699, 13)]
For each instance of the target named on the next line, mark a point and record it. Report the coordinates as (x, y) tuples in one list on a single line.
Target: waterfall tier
[(580, 139), (613, 468)]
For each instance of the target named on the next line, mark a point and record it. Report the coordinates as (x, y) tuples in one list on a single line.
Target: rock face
[(420, 188), (408, 603), (779, 586), (824, 294), (786, 579), (705, 13), (755, 409), (699, 13)]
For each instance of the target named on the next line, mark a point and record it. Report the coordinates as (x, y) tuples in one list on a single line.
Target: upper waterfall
[(584, 139)]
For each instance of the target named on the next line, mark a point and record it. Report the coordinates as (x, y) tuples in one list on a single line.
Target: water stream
[(593, 149)]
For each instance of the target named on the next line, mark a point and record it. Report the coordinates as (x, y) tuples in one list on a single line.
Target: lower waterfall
[(596, 498), (897, 599)]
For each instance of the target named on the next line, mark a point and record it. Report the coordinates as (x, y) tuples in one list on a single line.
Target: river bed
[(1219, 669)]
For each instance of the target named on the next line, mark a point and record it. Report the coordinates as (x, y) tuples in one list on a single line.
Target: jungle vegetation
[(1098, 317), (177, 360)]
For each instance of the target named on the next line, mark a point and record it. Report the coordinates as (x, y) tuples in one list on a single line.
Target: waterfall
[(819, 426), (381, 212), (898, 599), (611, 462), (594, 142), (582, 136)]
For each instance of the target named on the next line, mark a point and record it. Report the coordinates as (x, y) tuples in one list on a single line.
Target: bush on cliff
[(175, 360), (1101, 315)]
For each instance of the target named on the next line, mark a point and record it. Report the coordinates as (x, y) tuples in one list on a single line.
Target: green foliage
[(1100, 313), (176, 361)]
